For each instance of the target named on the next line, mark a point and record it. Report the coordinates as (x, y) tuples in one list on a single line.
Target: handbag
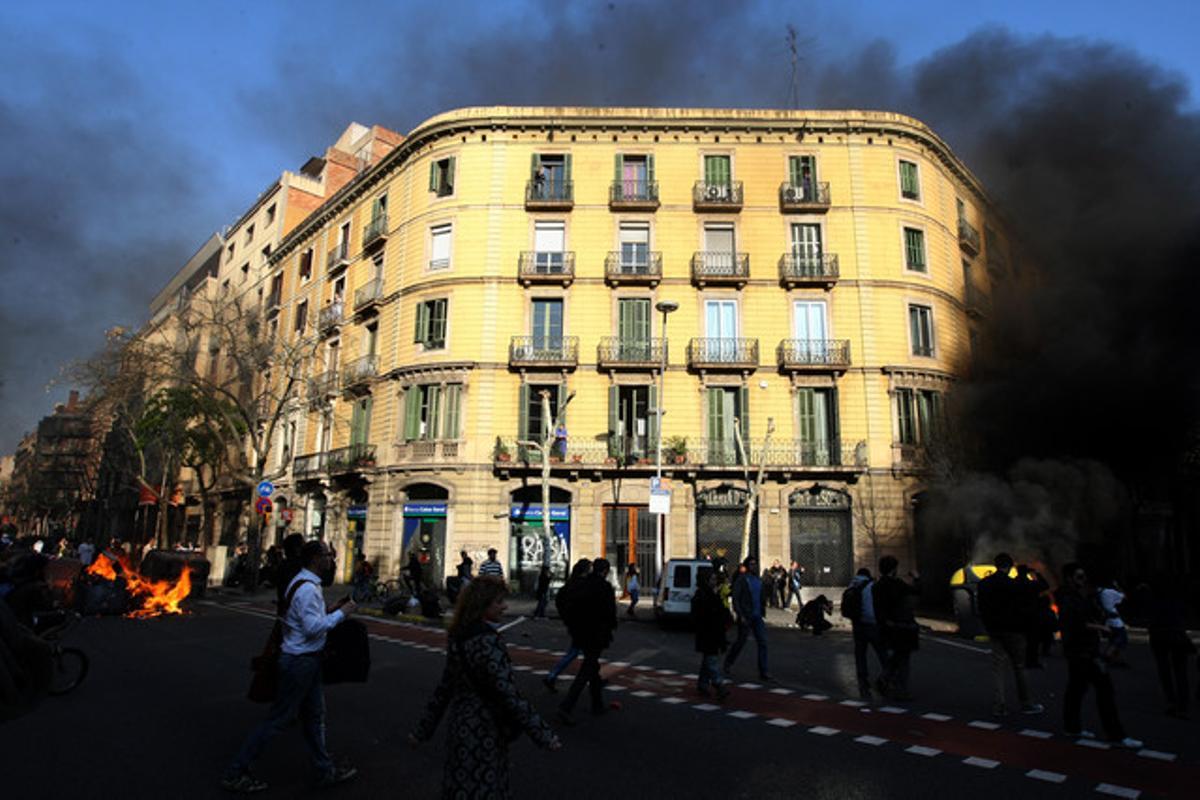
[(347, 656), (264, 680)]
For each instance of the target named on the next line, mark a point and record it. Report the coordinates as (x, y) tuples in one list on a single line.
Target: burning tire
[(69, 668)]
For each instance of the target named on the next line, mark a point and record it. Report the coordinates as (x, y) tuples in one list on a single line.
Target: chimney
[(72, 400)]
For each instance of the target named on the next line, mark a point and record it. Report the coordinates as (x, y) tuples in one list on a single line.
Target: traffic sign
[(285, 514), (263, 505), (265, 488)]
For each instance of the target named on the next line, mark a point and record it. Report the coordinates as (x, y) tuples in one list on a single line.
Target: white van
[(678, 585)]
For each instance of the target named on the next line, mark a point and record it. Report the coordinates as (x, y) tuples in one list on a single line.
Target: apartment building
[(817, 274)]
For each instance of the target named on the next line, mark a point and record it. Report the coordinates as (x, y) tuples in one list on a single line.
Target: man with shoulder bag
[(303, 622)]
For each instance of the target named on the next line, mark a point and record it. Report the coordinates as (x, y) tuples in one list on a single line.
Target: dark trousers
[(1083, 672), (300, 693), (1171, 658), (867, 635), (588, 675), (540, 611), (745, 627)]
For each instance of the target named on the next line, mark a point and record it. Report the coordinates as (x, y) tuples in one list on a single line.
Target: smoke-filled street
[(163, 709)]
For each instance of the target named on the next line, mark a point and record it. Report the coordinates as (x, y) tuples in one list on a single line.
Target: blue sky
[(132, 130)]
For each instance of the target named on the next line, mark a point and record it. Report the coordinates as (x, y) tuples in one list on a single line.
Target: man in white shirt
[(305, 624), (492, 566)]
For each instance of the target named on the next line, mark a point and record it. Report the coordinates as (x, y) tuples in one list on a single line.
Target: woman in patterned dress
[(486, 710)]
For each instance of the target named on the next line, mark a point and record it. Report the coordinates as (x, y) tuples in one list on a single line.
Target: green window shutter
[(412, 412), (433, 398), (794, 170), (618, 167), (807, 416), (419, 327), (437, 324), (641, 320), (914, 249), (614, 422), (523, 411), (652, 420), (535, 161), (835, 428), (451, 411), (560, 412), (650, 168), (904, 416), (450, 173), (914, 328), (567, 168), (715, 432), (744, 414), (433, 176), (908, 180)]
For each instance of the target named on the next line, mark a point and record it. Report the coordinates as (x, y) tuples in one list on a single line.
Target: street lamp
[(664, 307)]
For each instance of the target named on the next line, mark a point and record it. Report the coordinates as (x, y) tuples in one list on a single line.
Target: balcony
[(633, 268), (309, 466), (323, 385), (717, 196), (360, 370), (574, 450), (544, 267), (338, 258), (559, 352), (376, 232), (368, 296), (968, 237), (709, 354), (549, 195), (814, 355), (715, 268), (615, 352), (633, 195), (778, 454), (808, 269), (330, 317), (436, 451), (274, 300), (806, 196), (977, 302), (351, 459)]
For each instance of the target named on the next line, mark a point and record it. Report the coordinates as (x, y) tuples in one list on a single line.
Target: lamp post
[(664, 307)]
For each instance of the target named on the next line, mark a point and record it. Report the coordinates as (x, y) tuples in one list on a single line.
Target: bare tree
[(753, 487), (549, 430)]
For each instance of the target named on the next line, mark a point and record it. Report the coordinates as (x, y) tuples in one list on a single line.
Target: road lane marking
[(853, 703), (893, 710), (743, 714), (984, 763), (1092, 743), (817, 697), (618, 663), (936, 717), (611, 687), (959, 645), (691, 676), (822, 730), (1045, 775), (667, 672), (782, 691), (1118, 791), (1036, 734), (673, 700), (644, 693), (642, 668), (1155, 754), (874, 741), (987, 726), (705, 707), (921, 750), (780, 722), (748, 686)]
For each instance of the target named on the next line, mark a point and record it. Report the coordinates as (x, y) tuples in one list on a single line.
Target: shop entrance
[(424, 532), (720, 516), (630, 536), (530, 545), (821, 536)]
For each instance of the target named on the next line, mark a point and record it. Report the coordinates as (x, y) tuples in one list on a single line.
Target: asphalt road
[(162, 711)]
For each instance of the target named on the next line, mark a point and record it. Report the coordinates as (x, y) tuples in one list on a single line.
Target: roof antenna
[(794, 84)]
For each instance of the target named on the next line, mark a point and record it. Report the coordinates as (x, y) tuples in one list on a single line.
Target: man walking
[(749, 603), (492, 566), (894, 615), (710, 617), (1005, 610), (594, 612), (305, 623), (858, 606), (795, 582)]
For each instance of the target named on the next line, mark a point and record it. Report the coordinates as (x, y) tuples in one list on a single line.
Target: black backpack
[(852, 603)]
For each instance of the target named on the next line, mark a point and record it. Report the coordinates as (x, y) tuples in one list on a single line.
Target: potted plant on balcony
[(501, 451), (677, 448)]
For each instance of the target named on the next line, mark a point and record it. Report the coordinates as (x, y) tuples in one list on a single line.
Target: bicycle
[(376, 591), (69, 665)]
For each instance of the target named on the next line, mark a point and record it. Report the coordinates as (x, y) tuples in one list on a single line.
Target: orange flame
[(157, 597)]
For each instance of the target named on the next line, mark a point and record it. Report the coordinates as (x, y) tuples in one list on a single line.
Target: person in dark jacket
[(812, 615), (542, 591), (486, 709), (562, 602), (750, 605), (1169, 640), (289, 566), (412, 572), (1042, 622), (1005, 608), (893, 611), (594, 618), (1082, 622), (710, 618)]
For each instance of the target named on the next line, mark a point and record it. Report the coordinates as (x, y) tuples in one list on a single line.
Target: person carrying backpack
[(858, 607)]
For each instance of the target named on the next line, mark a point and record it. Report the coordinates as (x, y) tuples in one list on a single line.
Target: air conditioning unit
[(793, 194), (716, 192)]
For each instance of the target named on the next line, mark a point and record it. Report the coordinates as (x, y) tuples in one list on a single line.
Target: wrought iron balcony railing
[(376, 231), (322, 385), (615, 351), (352, 458), (309, 465), (718, 353), (360, 370), (717, 196), (540, 266), (635, 267), (368, 294), (430, 450), (617, 451), (808, 269), (804, 196), (330, 316), (339, 256), (558, 351), (718, 267), (274, 299), (968, 237), (549, 194), (810, 355), (633, 194)]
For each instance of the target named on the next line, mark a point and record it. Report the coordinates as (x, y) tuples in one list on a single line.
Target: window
[(632, 426), (914, 250), (360, 421), (546, 328), (245, 272), (532, 423), (550, 177), (441, 177), (271, 214), (431, 324), (725, 405), (370, 339), (919, 415), (229, 251), (249, 234), (266, 253), (910, 183), (306, 262), (301, 316), (717, 171), (806, 249), (634, 177), (720, 255), (431, 411), (225, 287), (633, 328), (635, 247), (802, 176), (809, 323), (920, 326), (549, 247), (817, 426), (439, 247), (721, 330)]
